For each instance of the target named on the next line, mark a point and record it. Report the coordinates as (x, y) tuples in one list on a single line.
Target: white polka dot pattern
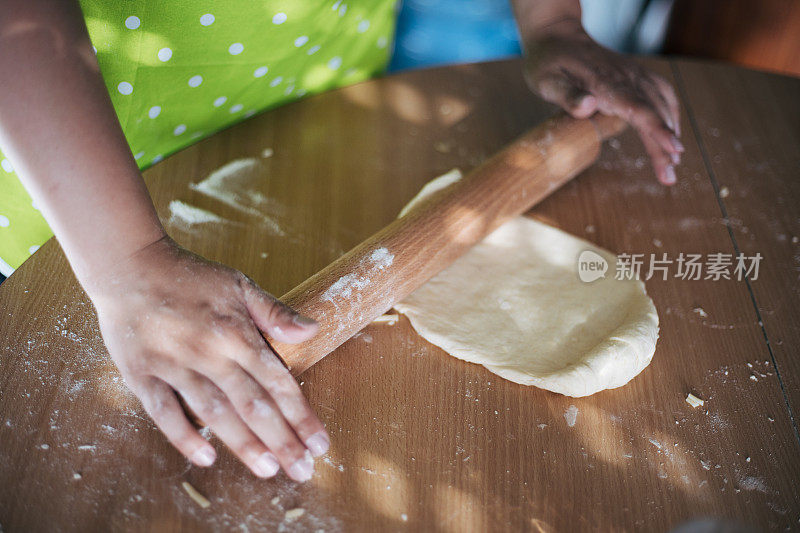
[(125, 88)]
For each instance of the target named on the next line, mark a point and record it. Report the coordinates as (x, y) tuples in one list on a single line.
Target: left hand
[(566, 67)]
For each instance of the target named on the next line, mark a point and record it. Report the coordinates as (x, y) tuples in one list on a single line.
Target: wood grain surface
[(422, 441)]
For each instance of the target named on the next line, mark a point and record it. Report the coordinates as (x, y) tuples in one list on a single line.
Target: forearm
[(537, 18), (59, 128)]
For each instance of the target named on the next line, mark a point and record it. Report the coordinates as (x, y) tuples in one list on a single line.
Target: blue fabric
[(438, 32)]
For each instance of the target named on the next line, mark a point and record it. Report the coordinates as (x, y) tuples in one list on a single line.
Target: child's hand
[(566, 67), (176, 323)]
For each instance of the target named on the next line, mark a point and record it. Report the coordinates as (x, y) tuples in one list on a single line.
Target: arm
[(173, 322), (566, 67)]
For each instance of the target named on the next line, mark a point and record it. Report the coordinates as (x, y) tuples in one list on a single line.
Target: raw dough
[(514, 304)]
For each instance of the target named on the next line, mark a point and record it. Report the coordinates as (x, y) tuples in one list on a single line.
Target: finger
[(644, 119), (659, 103), (259, 362), (661, 161), (266, 420), (217, 411), (275, 318), (560, 90), (668, 92), (160, 402)]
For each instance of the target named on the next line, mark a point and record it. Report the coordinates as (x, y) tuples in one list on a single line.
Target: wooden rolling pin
[(388, 266)]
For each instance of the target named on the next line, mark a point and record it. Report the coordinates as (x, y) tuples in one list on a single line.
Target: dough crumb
[(388, 319), (267, 153), (294, 514), (694, 401), (77, 475), (571, 415), (404, 517), (199, 499), (700, 312), (442, 147), (724, 192), (275, 500)]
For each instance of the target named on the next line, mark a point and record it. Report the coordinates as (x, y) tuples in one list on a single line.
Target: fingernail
[(303, 469), (318, 443), (266, 465), (670, 178), (677, 144), (300, 320), (205, 456)]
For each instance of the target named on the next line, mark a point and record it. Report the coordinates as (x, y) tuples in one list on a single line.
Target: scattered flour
[(183, 214), (753, 483), (344, 287), (349, 284), (571, 415), (382, 258), (232, 184)]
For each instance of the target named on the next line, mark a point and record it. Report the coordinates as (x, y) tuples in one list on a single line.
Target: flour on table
[(185, 215), (514, 304), (235, 184)]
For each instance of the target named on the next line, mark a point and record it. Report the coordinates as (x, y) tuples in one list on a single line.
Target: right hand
[(178, 325), (565, 66)]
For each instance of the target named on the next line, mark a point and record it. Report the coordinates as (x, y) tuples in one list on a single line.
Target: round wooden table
[(422, 441)]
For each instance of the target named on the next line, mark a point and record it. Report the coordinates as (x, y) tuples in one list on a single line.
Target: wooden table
[(422, 440)]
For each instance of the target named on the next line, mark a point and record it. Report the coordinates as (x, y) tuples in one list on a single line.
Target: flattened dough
[(514, 304)]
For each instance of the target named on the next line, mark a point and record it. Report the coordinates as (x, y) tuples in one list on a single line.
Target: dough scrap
[(514, 304)]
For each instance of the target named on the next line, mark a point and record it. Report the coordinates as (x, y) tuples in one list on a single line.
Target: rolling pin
[(368, 280)]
